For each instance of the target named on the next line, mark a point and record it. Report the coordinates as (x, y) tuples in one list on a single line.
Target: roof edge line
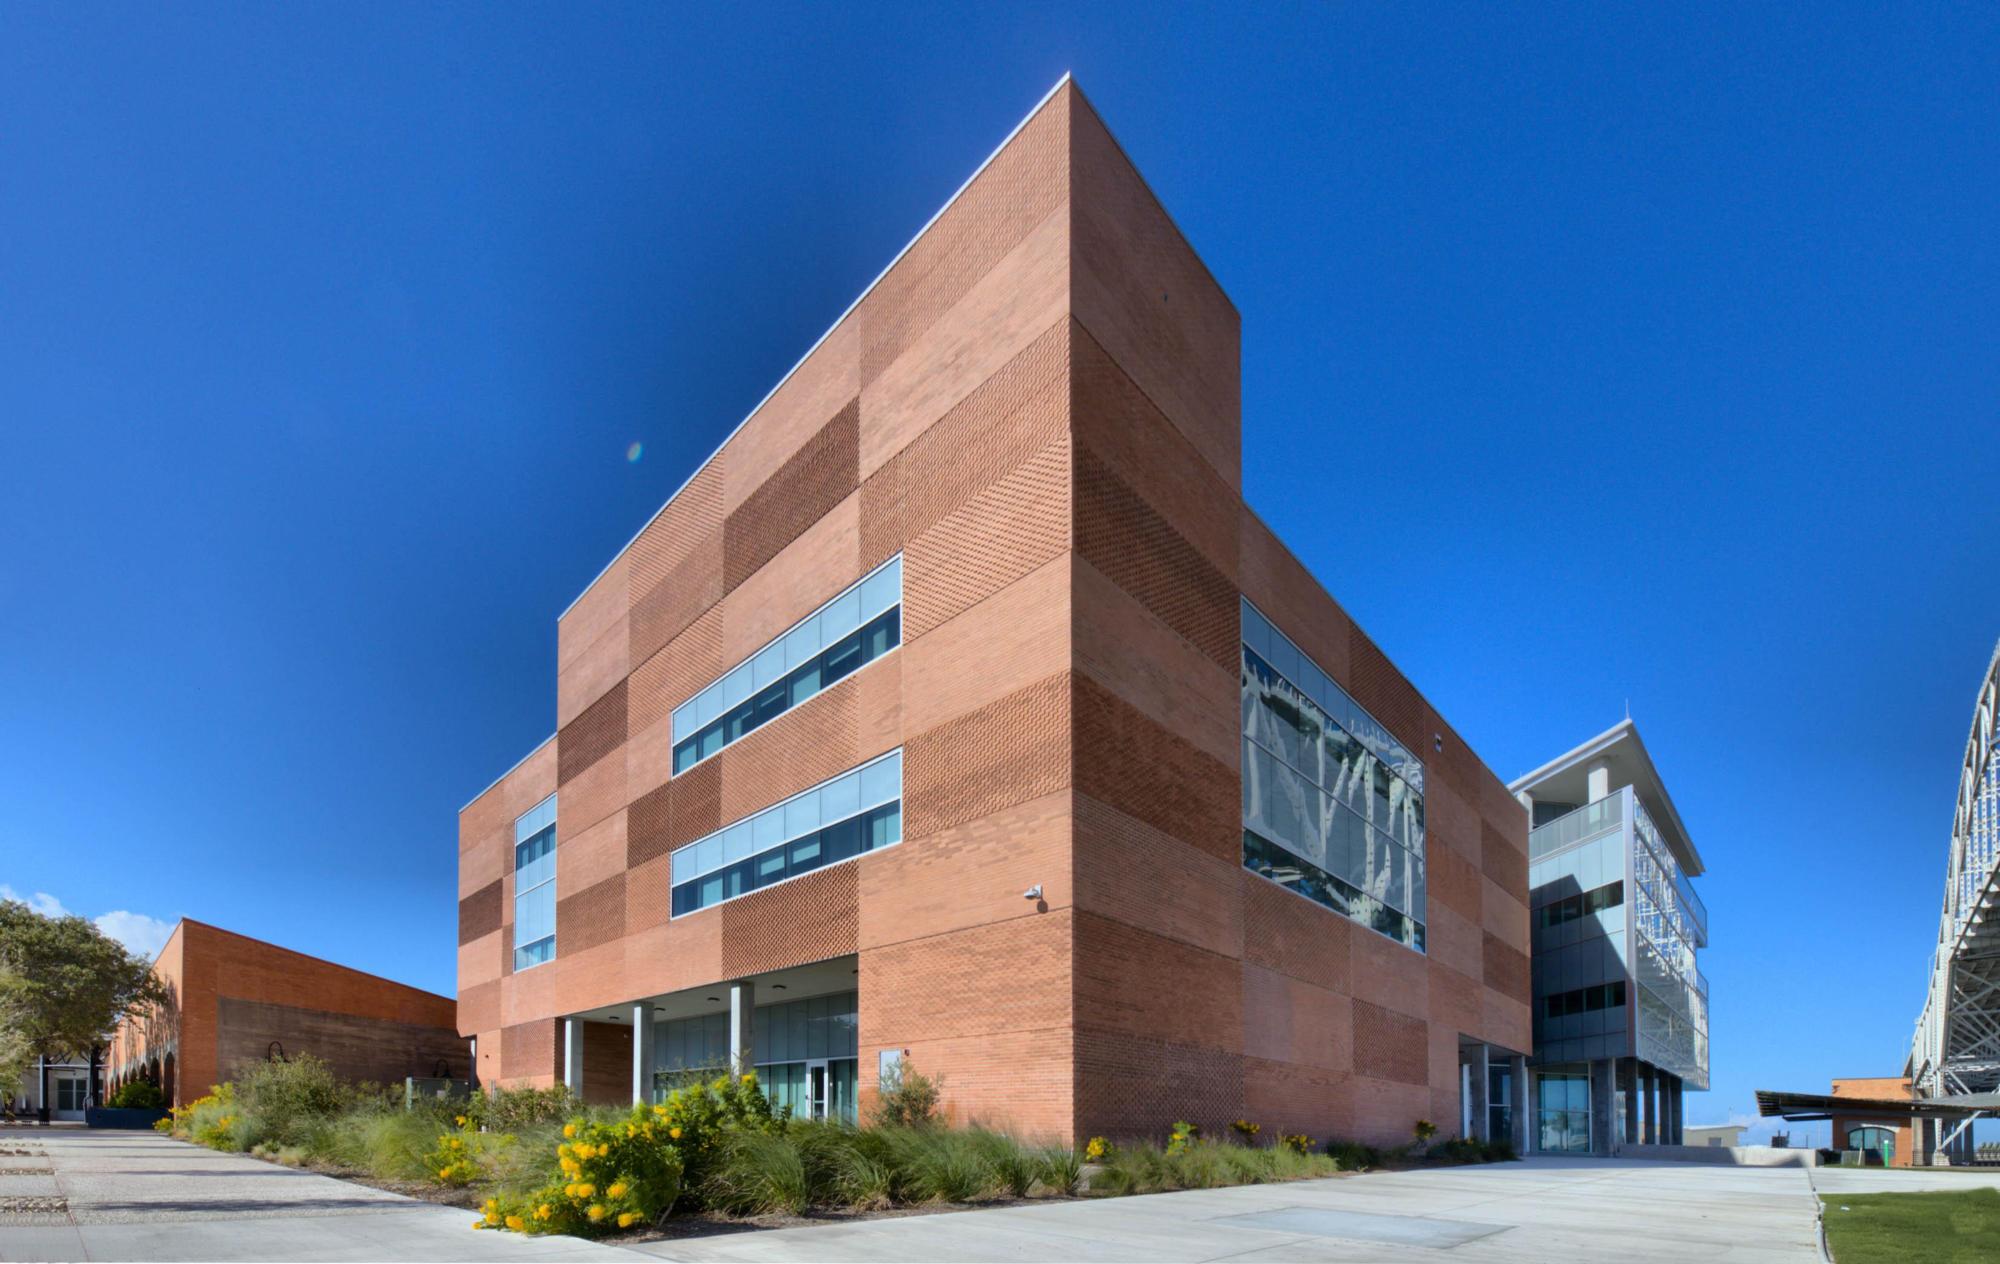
[(511, 767), (820, 341)]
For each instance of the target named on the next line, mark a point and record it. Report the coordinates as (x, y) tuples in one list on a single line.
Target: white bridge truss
[(1956, 1048)]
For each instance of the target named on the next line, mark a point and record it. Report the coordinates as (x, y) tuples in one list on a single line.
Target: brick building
[(237, 999), (958, 710)]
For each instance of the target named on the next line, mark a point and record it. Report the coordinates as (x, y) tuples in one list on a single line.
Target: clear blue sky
[(1591, 354)]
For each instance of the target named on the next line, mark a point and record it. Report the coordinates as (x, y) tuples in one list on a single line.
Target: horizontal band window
[(1268, 860), (823, 671), (875, 828), (879, 591), (873, 784)]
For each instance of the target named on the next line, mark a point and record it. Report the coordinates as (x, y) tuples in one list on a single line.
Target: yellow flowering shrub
[(1096, 1150), (631, 1171), (613, 1175), (454, 1160)]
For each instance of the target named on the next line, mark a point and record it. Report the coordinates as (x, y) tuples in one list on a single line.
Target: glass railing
[(1579, 825)]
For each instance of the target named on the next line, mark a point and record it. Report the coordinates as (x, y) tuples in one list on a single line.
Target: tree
[(64, 984)]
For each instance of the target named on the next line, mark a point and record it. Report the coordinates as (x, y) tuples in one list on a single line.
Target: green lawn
[(1947, 1227)]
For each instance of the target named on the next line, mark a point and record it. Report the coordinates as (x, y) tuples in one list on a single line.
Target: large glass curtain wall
[(805, 1053), (1333, 806), (535, 885)]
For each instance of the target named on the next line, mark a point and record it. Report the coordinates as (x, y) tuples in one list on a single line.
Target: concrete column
[(573, 1054), (642, 1053), (1476, 1098), (742, 1026), (1650, 1131), (1603, 1107), (1628, 1101), (1674, 1104), (1600, 780), (1517, 1075)]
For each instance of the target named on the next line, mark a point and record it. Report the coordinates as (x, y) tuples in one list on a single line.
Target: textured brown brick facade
[(238, 999), (1037, 407)]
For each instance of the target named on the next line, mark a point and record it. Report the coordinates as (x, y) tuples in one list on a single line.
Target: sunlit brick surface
[(1038, 408)]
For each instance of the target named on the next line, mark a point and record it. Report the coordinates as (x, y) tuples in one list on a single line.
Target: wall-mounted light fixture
[(1033, 892)]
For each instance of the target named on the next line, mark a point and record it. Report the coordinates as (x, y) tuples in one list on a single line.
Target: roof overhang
[(1565, 778), (1826, 1106)]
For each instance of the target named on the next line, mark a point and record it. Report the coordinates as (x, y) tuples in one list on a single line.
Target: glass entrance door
[(816, 1094)]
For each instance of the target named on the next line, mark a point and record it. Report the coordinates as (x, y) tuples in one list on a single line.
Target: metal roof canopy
[(1826, 1106)]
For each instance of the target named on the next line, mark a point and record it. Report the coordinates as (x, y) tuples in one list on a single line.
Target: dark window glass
[(877, 827), (842, 659)]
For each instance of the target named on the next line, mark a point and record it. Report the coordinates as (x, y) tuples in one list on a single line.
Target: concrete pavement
[(135, 1196), (1518, 1213), (80, 1195)]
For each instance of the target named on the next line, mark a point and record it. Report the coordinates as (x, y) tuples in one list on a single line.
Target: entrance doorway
[(71, 1096)]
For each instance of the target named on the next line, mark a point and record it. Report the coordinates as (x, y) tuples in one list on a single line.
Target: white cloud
[(41, 901), (142, 934)]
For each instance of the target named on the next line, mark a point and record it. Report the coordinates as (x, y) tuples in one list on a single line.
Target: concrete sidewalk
[(135, 1196), (138, 1196), (1526, 1213)]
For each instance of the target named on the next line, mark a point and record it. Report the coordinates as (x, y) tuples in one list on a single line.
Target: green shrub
[(1013, 1165), (518, 1109), (1354, 1156), (612, 1176), (138, 1095), (283, 1098), (1059, 1169), (1184, 1135), (757, 1173), (386, 1144), (940, 1165), (907, 1098)]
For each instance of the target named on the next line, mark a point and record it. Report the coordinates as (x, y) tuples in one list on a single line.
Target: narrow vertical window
[(535, 885)]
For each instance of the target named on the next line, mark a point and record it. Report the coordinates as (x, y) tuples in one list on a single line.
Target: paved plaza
[(75, 1195)]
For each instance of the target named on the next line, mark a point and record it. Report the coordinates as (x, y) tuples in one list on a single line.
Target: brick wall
[(1038, 406)]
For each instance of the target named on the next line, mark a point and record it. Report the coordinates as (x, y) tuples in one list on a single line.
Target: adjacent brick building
[(958, 710), (237, 999)]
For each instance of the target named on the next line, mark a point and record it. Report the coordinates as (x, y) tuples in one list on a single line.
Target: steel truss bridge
[(1956, 1049)]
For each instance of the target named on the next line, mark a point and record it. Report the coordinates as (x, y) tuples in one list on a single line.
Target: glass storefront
[(1562, 1112), (805, 1054)]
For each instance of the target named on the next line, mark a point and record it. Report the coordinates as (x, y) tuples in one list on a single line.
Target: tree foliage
[(64, 984)]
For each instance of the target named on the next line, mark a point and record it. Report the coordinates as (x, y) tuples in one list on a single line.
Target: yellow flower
[(659, 1110), (492, 1204), (479, 1223), (749, 1077), (543, 1212), (675, 1133), (516, 1223), (626, 1219), (596, 1212), (585, 1189), (444, 1173), (617, 1190), (569, 1190), (569, 1130), (461, 1121)]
